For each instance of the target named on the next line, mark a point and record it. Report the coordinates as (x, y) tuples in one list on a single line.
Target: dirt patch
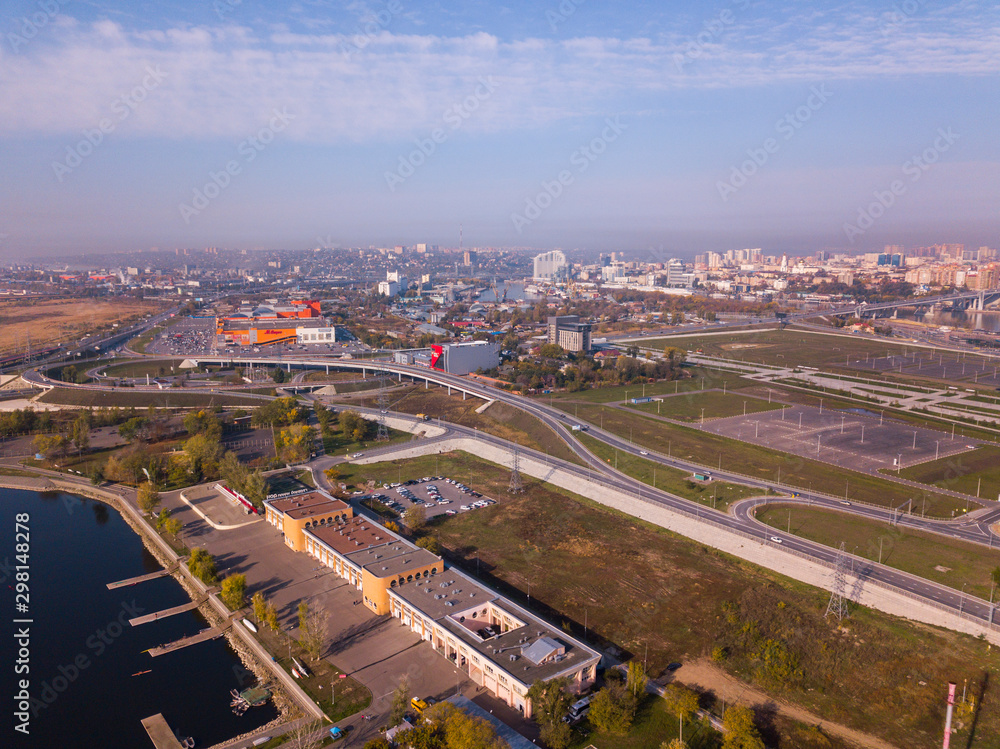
[(705, 676)]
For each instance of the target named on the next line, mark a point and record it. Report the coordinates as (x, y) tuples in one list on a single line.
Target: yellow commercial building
[(294, 515)]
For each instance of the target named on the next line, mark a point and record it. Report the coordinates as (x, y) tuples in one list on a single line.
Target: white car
[(776, 539), (357, 455), (643, 452)]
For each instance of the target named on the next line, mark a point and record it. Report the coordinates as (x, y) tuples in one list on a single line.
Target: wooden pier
[(160, 733), (143, 578), (206, 634), (146, 618)]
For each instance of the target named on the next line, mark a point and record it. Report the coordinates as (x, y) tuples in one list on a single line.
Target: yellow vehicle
[(423, 417), (418, 705)]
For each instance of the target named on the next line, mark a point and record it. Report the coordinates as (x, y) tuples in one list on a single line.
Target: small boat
[(140, 673), (187, 743), (249, 625), (295, 673)]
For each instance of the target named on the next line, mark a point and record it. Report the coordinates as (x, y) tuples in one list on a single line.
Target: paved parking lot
[(193, 336), (857, 439), (438, 495), (376, 650)]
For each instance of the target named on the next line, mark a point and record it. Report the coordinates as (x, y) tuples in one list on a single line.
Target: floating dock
[(160, 733), (146, 618), (143, 578), (206, 634)]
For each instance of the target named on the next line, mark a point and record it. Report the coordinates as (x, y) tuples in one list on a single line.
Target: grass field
[(49, 321), (126, 397), (752, 460), (142, 367), (711, 405), (500, 419), (639, 587), (696, 378), (902, 548), (337, 444), (976, 473), (716, 494), (783, 348)]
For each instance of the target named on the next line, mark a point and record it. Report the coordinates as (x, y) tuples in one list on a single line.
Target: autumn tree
[(740, 730), (168, 524), (400, 701), (415, 518), (201, 565), (312, 630), (148, 498), (549, 703), (234, 589), (613, 709)]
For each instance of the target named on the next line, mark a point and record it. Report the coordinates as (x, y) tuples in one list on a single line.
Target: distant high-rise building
[(568, 332), (470, 257), (551, 266)]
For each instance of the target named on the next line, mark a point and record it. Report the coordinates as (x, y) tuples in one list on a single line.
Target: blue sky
[(677, 127)]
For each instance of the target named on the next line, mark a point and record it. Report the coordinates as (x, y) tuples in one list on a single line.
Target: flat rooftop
[(274, 323), (354, 535), (450, 593), (306, 505), (394, 560)]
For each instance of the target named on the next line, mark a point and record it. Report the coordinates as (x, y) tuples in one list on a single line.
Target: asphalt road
[(970, 529)]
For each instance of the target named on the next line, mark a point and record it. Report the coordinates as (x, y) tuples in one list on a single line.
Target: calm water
[(77, 547), (988, 320)]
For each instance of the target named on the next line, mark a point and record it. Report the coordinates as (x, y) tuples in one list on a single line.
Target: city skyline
[(576, 125)]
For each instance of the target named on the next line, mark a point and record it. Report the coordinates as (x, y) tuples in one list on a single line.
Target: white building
[(551, 266)]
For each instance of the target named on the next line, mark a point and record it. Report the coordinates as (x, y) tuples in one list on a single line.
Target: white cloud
[(225, 81)]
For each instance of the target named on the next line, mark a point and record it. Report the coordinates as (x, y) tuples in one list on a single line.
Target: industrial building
[(464, 358), (262, 332), (567, 331), (294, 515), (500, 645)]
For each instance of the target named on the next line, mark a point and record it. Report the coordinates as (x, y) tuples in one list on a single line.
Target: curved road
[(742, 521)]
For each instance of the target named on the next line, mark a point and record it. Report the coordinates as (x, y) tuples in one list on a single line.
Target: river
[(86, 663)]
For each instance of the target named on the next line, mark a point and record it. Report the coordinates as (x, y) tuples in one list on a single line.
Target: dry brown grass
[(49, 321)]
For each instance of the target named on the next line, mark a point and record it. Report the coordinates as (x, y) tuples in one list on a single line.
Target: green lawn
[(977, 471), (696, 378), (142, 367), (716, 494), (905, 549), (711, 405), (336, 443), (714, 451)]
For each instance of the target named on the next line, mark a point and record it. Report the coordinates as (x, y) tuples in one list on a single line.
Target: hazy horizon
[(676, 128)]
